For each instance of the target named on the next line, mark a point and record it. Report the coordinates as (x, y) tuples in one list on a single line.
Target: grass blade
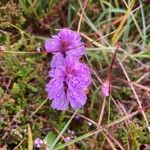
[(30, 139)]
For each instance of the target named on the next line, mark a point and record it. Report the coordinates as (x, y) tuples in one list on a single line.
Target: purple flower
[(72, 132), (67, 139), (65, 43), (69, 80), (38, 142), (144, 147)]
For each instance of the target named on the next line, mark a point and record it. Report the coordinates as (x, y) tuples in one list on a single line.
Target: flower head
[(66, 43), (38, 142), (67, 139), (69, 80)]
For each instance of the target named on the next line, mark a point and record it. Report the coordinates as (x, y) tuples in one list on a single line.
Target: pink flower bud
[(105, 89)]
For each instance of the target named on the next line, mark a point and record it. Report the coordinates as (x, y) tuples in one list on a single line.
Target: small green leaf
[(32, 88)]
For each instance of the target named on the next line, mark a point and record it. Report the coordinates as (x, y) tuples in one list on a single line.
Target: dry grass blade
[(136, 96), (115, 140), (30, 139), (110, 142), (37, 109), (126, 75), (19, 144), (103, 128), (117, 35), (102, 112), (81, 16)]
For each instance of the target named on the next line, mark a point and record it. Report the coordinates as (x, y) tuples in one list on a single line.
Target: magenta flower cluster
[(69, 77)]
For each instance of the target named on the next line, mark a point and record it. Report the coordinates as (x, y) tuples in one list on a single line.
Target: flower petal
[(78, 82), (53, 44), (69, 35), (81, 76), (76, 98), (58, 60), (55, 73), (60, 104), (75, 53), (55, 89), (81, 69)]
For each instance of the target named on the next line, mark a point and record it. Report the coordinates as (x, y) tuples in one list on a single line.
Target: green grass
[(25, 112)]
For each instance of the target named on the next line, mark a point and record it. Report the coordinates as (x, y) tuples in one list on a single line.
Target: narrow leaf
[(30, 139)]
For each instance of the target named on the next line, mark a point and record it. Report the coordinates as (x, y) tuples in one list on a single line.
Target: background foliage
[(24, 112)]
